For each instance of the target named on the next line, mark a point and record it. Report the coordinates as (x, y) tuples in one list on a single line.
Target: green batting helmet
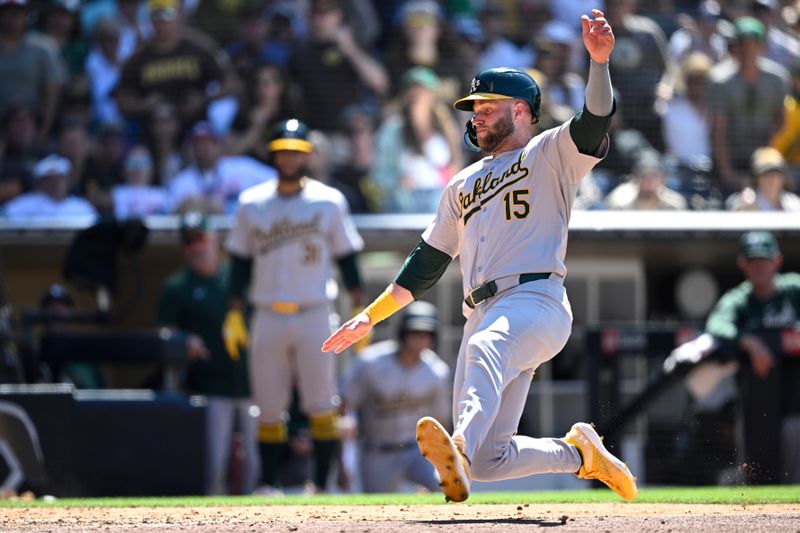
[(501, 84), (290, 135)]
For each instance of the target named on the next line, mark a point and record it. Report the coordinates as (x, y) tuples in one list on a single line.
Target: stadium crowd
[(129, 108)]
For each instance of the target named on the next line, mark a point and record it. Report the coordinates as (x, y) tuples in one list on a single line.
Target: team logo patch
[(473, 87)]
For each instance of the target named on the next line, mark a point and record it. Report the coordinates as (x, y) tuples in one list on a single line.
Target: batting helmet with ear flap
[(502, 84), (499, 84)]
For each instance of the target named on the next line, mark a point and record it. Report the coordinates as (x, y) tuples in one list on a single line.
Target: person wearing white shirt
[(686, 124), (213, 182), (51, 198), (136, 197)]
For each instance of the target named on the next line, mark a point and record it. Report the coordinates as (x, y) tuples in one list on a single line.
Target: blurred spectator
[(747, 108), (288, 23), (390, 386), (194, 302), (19, 136), (418, 147), (468, 42), (103, 167), (769, 179), (103, 68), (173, 67), (686, 122), (422, 39), (269, 101), (213, 182), (74, 143), (646, 189), (50, 198), (136, 196), (331, 69), (135, 26), (699, 32), (787, 139), (499, 50), (780, 46), (163, 139), (29, 67), (320, 167), (553, 52), (356, 169), (255, 46), (640, 66), (625, 148), (219, 19), (75, 104), (530, 15), (59, 20)]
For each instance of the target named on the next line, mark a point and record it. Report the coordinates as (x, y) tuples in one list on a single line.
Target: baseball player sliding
[(506, 217)]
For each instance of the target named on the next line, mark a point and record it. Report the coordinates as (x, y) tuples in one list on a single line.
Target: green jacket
[(739, 312), (198, 305)]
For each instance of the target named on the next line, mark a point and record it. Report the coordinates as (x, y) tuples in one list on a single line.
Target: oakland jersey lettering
[(285, 231), (488, 186)]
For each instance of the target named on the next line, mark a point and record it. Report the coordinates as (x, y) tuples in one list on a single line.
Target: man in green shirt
[(194, 301), (742, 320)]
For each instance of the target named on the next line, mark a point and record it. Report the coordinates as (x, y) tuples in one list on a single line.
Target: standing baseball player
[(390, 386), (286, 237), (506, 217)]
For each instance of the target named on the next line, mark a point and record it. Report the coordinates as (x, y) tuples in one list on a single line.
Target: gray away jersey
[(390, 398), (508, 215), (293, 241)]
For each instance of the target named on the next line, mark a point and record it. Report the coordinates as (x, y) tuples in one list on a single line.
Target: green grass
[(683, 495)]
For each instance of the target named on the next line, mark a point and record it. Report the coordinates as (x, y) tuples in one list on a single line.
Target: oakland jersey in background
[(390, 386), (286, 237)]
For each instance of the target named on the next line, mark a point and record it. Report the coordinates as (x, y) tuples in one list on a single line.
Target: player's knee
[(277, 433), (487, 467), (324, 426)]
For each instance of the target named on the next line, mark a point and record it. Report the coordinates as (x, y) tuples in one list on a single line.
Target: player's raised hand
[(597, 36), (351, 332)]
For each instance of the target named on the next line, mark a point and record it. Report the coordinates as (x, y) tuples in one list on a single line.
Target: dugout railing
[(630, 394)]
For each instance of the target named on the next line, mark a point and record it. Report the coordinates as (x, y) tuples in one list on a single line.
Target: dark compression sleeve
[(588, 131), (422, 269), (240, 275), (351, 275)]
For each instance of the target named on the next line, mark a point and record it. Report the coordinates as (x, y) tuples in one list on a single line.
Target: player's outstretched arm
[(389, 302)]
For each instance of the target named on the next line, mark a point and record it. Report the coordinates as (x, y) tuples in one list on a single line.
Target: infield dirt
[(611, 517)]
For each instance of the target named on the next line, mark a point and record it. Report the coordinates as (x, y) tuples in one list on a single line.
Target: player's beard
[(295, 176), (498, 133)]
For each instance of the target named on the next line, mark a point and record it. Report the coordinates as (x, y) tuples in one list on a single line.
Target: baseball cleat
[(446, 456), (599, 463)]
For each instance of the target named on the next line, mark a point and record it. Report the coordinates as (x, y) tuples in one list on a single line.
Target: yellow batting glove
[(234, 333), (359, 346)]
